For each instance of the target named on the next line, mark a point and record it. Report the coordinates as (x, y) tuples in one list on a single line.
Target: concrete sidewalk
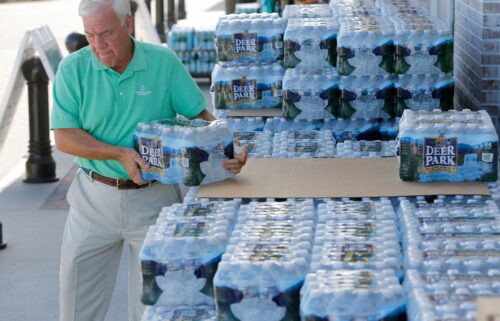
[(33, 215)]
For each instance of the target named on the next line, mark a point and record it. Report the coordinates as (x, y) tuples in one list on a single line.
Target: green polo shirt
[(108, 105)]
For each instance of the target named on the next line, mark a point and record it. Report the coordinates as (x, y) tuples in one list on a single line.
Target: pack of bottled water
[(309, 11), (352, 243), (424, 92), (311, 43), (366, 149), (255, 37), (181, 151), (304, 144), (389, 128), (353, 129), (365, 46), (354, 8), (367, 97), (423, 45), (238, 86), (449, 296), (494, 188), (198, 62), (366, 209), (447, 146), (259, 144), (247, 8), (260, 275), (181, 251), (181, 38), (185, 314), (352, 295), (310, 94), (279, 124), (246, 124)]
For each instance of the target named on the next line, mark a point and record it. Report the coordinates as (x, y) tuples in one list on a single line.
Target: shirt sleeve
[(185, 95), (65, 110)]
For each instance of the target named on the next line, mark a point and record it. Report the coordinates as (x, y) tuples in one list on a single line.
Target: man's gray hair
[(120, 7)]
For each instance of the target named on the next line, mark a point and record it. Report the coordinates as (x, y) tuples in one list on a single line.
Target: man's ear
[(129, 23)]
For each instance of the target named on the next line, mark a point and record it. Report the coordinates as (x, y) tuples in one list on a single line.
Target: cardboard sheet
[(262, 112), (488, 308), (329, 177)]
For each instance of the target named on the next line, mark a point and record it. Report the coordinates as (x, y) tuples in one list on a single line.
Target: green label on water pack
[(462, 236), (300, 134), (353, 208), (440, 155), (267, 252), (463, 219), (351, 252), (306, 147), (244, 135), (352, 280), (190, 229), (468, 253)]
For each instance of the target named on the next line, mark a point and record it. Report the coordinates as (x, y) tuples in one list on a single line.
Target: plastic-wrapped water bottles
[(247, 8), (365, 46), (367, 97), (424, 92), (247, 85), (186, 314), (250, 38), (389, 129), (309, 11), (352, 243), (279, 124), (354, 8), (364, 149), (181, 151), (260, 275), (447, 146), (304, 144), (311, 43), (181, 252), (310, 94), (181, 38), (246, 124), (352, 294), (356, 210), (452, 296), (258, 144)]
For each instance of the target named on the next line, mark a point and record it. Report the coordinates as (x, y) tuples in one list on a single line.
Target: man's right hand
[(133, 164)]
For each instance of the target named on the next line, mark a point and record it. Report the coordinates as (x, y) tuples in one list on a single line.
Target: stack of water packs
[(304, 144), (181, 151), (447, 146), (452, 249), (366, 149), (181, 252), (265, 264)]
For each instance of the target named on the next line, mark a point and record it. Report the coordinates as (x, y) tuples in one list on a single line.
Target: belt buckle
[(118, 180)]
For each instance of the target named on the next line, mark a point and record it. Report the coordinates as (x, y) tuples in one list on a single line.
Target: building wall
[(477, 55)]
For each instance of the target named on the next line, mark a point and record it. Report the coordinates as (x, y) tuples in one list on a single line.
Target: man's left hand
[(239, 160)]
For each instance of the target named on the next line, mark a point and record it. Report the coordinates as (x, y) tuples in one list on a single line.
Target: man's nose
[(99, 42)]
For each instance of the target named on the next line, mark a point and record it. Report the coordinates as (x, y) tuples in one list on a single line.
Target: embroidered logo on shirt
[(143, 91)]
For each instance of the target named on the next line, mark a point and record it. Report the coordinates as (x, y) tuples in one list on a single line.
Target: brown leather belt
[(115, 182)]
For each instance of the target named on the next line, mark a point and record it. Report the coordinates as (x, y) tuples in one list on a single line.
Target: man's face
[(108, 39)]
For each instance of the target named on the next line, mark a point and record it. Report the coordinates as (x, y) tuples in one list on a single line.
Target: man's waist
[(119, 183)]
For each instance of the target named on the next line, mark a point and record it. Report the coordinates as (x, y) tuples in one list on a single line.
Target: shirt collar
[(137, 63)]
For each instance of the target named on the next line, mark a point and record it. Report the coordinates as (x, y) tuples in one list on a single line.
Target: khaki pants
[(101, 219)]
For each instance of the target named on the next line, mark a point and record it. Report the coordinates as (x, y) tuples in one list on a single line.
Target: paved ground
[(33, 215)]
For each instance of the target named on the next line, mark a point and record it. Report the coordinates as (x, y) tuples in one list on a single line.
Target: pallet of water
[(447, 146), (255, 37), (304, 144), (449, 296), (311, 43), (181, 252), (352, 295), (181, 151), (265, 264), (252, 85)]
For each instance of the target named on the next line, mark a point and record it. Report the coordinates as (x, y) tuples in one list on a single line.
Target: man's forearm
[(206, 115), (77, 142)]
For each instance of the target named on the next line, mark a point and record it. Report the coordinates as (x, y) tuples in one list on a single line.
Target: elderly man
[(100, 94)]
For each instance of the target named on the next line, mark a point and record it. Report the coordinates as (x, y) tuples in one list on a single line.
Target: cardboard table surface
[(329, 177)]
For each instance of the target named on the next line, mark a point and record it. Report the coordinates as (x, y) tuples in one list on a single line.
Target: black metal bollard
[(40, 166), (3, 245), (160, 22), (230, 6), (148, 5), (133, 9), (181, 10), (75, 41), (170, 13)]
